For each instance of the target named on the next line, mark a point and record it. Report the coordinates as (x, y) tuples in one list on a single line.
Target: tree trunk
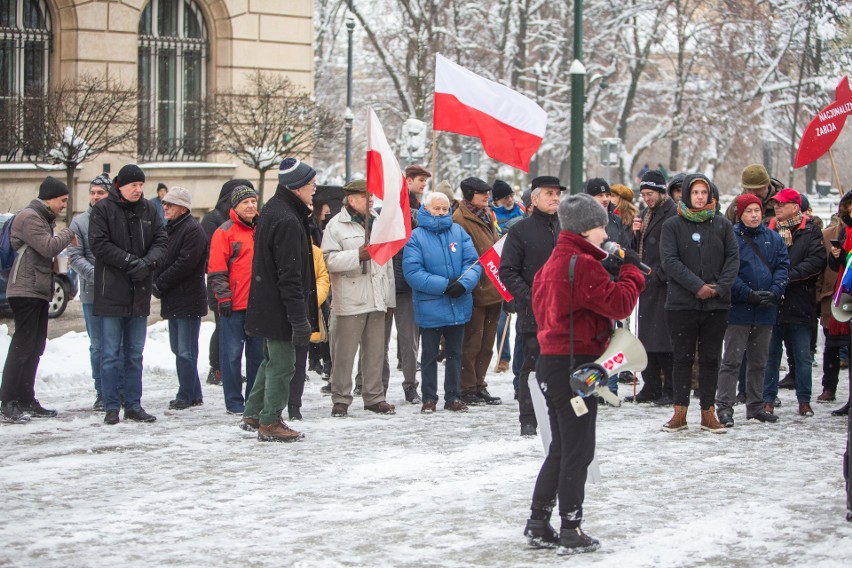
[(69, 181)]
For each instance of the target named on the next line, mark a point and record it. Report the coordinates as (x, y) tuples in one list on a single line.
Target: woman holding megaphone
[(575, 303)]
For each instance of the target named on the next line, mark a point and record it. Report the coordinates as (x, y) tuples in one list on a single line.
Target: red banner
[(490, 261), (824, 129)]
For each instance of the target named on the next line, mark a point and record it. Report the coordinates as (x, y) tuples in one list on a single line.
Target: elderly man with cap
[(525, 251), (29, 290), (183, 294), (363, 293), (755, 180), (759, 286), (129, 242), (653, 326), (82, 260), (476, 219), (229, 277), (282, 299), (797, 311)]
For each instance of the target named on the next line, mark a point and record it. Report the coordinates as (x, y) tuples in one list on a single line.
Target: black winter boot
[(575, 541), (539, 532)]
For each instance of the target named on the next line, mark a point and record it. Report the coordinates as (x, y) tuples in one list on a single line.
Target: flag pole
[(834, 168), (503, 340), (434, 152)]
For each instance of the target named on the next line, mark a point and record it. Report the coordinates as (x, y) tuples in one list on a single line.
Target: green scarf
[(697, 215), (359, 217)]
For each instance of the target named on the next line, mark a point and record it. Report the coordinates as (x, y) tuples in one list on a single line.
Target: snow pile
[(261, 157), (406, 490), (72, 149)]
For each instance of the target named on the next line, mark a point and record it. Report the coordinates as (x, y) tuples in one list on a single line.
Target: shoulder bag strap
[(757, 250), (571, 266)]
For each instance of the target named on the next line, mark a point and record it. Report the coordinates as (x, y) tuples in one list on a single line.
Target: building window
[(173, 56), (24, 52)]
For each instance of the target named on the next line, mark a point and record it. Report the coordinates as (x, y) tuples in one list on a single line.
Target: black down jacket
[(180, 280)]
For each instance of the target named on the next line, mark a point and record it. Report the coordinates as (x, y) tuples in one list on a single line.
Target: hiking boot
[(709, 423), (741, 398), (726, 417), (326, 370), (278, 432), (763, 416), (214, 377), (429, 407), (177, 404), (36, 410), (411, 395), (575, 541), (540, 534), (249, 424), (503, 366), (826, 396), (456, 405), (11, 412), (664, 400), (381, 408), (472, 399), (528, 430), (339, 410), (489, 400), (641, 397), (677, 421), (805, 409), (294, 412), (111, 417), (842, 411), (99, 403), (788, 382), (139, 415)]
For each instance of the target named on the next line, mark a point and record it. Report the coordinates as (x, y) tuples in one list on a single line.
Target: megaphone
[(625, 353), (841, 308)]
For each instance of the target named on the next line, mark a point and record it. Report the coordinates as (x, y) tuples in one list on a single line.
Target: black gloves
[(138, 270), (509, 307), (762, 298), (225, 309), (754, 297), (632, 257), (301, 333), (455, 289)]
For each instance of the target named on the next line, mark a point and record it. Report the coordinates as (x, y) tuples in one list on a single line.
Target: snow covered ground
[(406, 490)]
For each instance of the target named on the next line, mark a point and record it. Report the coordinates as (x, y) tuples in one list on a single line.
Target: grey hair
[(535, 192), (427, 202)]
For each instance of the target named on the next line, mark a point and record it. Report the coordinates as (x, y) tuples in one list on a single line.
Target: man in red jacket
[(592, 300)]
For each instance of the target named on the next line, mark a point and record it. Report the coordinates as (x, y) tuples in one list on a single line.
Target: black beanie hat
[(472, 185), (129, 174), (653, 179), (501, 190), (293, 174), (596, 186), (51, 188)]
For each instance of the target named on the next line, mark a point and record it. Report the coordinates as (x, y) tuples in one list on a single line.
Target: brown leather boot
[(678, 421), (826, 396), (249, 424), (278, 432), (805, 409), (709, 423)]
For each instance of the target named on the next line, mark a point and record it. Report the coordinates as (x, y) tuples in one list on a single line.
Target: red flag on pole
[(490, 261), (824, 129)]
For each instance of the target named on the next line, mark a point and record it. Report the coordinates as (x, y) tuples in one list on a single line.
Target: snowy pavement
[(406, 490)]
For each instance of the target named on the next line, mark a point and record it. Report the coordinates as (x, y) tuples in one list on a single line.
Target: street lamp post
[(537, 71), (348, 117), (578, 78)]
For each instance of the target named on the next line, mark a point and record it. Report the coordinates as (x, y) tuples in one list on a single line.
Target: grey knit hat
[(580, 213)]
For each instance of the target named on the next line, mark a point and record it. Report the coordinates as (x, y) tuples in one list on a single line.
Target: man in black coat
[(527, 248), (653, 327), (798, 310), (183, 294), (282, 300), (129, 243)]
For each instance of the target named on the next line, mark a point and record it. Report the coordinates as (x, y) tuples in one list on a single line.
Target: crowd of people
[(293, 286)]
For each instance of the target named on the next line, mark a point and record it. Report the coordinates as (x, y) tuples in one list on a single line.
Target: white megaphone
[(625, 353), (841, 308)]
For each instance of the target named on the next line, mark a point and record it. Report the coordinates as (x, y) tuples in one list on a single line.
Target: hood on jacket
[(223, 205), (432, 223), (688, 182)]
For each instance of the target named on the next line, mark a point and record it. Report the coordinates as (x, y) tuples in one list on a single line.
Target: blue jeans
[(183, 338), (430, 340), (123, 339), (800, 342), (232, 338), (506, 353)]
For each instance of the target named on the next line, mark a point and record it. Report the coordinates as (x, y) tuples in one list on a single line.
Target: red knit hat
[(745, 200)]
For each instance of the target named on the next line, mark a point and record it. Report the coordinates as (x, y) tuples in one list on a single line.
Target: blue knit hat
[(293, 174)]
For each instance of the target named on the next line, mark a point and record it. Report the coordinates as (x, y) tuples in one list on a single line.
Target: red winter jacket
[(229, 266), (596, 301)]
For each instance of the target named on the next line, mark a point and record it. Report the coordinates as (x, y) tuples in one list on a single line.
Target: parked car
[(65, 284)]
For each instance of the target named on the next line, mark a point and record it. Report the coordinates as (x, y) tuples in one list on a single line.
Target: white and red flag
[(490, 261), (385, 180), (509, 125)]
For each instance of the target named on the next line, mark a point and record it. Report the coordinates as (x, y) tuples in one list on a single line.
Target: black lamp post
[(578, 95), (348, 117)]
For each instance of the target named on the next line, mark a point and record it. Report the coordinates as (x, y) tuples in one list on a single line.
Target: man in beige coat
[(362, 292), (29, 290)]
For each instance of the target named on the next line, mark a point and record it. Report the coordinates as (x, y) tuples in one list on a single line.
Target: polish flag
[(490, 261), (509, 125), (385, 180)]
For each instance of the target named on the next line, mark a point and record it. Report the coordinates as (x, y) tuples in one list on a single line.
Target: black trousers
[(531, 350), (831, 360), (659, 367), (297, 383), (704, 331), (214, 342), (25, 350), (572, 445)]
